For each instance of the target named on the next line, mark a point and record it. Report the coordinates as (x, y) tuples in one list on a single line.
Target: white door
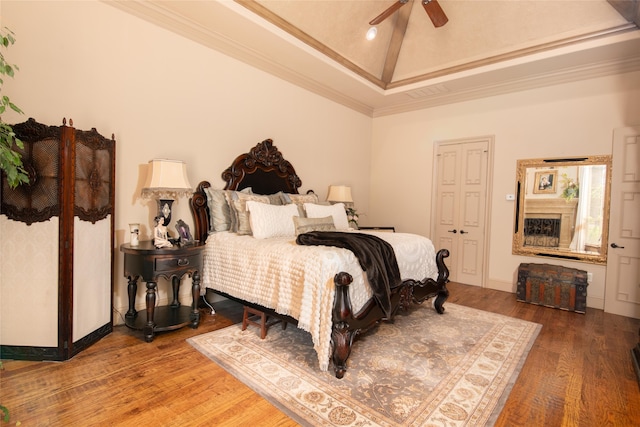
[(461, 206), (622, 292)]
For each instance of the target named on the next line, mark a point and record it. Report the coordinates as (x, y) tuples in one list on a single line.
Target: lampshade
[(166, 179), (339, 193)]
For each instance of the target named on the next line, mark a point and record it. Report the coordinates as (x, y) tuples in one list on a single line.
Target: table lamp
[(339, 193), (166, 181)]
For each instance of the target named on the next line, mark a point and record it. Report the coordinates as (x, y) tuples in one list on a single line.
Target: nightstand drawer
[(173, 263)]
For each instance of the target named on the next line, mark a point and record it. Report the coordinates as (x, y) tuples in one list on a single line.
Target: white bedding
[(298, 280)]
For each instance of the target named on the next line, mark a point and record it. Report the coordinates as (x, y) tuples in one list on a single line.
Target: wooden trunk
[(553, 286)]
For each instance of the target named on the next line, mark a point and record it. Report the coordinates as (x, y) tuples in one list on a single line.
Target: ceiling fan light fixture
[(432, 7), (371, 33)]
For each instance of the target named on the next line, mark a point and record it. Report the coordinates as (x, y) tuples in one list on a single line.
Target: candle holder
[(134, 229)]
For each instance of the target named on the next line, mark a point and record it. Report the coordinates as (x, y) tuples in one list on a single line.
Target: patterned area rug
[(423, 369)]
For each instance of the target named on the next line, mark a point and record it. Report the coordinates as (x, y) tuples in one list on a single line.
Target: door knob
[(614, 246), (454, 231), (464, 232)]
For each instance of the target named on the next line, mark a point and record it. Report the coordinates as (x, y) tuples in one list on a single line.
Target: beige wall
[(165, 96), (565, 120)]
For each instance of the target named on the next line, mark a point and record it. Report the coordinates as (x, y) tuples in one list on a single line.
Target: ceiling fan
[(432, 8)]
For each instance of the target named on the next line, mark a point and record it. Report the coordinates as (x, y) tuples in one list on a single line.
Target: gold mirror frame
[(555, 194)]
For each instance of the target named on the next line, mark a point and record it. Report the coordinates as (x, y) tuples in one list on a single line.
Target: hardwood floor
[(578, 373)]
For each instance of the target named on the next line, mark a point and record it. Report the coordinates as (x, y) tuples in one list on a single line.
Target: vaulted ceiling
[(486, 47)]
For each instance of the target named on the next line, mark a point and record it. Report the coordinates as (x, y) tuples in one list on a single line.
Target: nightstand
[(146, 262)]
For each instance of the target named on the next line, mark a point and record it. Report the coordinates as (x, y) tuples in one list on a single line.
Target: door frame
[(490, 139)]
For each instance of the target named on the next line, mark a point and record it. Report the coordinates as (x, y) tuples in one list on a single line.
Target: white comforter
[(298, 280)]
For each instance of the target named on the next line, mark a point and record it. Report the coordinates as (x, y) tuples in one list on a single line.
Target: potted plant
[(10, 159), (352, 217), (570, 188)]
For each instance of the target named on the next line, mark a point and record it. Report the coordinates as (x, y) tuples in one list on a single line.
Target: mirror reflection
[(562, 208)]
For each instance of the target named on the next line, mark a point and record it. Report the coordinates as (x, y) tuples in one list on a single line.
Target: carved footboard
[(347, 325)]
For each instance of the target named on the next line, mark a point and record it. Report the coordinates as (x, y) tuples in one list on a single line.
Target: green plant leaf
[(10, 160), (15, 108)]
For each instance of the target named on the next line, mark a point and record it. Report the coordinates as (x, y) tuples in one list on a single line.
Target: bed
[(321, 289)]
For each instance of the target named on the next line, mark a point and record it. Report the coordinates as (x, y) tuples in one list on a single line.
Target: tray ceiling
[(487, 47)]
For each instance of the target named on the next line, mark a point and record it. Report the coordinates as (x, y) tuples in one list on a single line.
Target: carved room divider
[(57, 244)]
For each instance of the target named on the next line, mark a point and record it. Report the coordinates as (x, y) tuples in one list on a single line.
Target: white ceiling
[(488, 47)]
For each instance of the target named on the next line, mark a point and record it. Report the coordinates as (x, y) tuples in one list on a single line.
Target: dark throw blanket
[(375, 255)]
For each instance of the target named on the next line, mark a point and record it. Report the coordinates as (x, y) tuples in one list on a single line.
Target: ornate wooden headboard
[(263, 168)]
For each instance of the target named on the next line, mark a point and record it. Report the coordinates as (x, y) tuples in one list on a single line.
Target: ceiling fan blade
[(387, 13), (435, 12)]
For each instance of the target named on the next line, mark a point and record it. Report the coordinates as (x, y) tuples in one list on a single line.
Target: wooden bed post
[(342, 334)]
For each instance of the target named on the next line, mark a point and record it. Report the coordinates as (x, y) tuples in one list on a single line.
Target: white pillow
[(337, 211), (271, 220)]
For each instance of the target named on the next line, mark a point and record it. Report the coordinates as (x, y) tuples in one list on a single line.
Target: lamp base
[(164, 210)]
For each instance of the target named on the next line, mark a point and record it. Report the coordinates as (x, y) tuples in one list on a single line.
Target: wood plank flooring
[(579, 373)]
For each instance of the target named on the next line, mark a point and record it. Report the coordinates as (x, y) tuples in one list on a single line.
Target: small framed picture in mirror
[(545, 182)]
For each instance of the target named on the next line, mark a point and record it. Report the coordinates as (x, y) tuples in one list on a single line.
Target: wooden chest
[(553, 286)]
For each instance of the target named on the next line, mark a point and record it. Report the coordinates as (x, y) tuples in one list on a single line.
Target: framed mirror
[(562, 208)]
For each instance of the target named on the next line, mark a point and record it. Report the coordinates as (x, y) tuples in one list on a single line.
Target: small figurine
[(160, 236)]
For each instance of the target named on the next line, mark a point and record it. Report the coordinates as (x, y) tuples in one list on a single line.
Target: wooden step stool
[(255, 317)]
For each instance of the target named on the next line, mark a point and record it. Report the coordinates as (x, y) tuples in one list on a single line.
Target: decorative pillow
[(276, 199), (337, 211), (304, 225), (220, 218), (271, 220), (238, 207), (299, 200), (219, 214)]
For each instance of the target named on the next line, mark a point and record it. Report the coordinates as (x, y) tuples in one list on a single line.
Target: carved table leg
[(195, 291), (132, 289), (151, 305), (175, 285)]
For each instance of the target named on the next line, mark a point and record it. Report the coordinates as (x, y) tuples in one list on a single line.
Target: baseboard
[(500, 285), (593, 302)]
